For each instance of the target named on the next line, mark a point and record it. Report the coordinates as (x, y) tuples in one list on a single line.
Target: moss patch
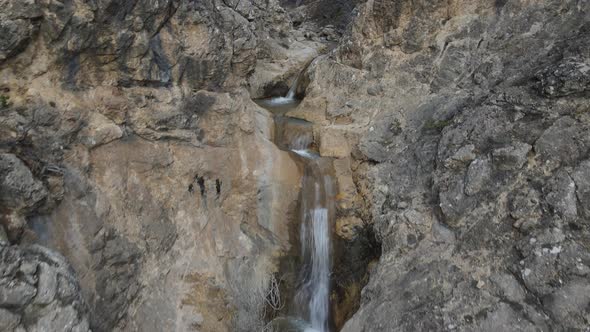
[(4, 101), (436, 125)]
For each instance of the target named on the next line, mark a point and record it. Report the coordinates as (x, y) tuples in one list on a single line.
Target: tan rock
[(311, 109), (99, 131), (345, 227), (333, 143), (347, 197), (190, 210), (283, 65)]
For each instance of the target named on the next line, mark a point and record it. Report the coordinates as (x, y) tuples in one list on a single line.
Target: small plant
[(582, 111), (438, 125), (4, 101), (395, 127)]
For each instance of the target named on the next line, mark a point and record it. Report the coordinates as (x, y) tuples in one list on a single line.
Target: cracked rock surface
[(39, 291)]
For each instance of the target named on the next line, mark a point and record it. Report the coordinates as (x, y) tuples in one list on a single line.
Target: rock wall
[(129, 144), (467, 127)]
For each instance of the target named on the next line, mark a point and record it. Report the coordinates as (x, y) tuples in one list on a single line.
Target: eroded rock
[(28, 299)]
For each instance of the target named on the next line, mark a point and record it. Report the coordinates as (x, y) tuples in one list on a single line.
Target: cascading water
[(313, 294), (290, 97), (311, 303)]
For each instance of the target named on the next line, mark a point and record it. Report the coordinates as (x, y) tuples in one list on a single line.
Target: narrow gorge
[(294, 165)]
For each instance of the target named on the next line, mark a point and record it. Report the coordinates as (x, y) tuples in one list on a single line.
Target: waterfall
[(293, 89), (319, 305), (287, 100), (313, 294), (310, 308)]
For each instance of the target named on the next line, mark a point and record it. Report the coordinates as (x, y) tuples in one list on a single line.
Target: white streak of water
[(280, 101), (293, 88), (319, 305), (314, 294), (287, 99), (306, 154)]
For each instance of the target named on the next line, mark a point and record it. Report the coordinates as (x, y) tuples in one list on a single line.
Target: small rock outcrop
[(20, 193), (39, 291)]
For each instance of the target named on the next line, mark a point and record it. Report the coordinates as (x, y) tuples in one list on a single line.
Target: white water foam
[(306, 154), (287, 99), (280, 101)]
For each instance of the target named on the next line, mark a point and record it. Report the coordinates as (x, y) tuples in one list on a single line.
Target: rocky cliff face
[(468, 123), (459, 132), (130, 144)]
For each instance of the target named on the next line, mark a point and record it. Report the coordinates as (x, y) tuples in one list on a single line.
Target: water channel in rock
[(309, 307)]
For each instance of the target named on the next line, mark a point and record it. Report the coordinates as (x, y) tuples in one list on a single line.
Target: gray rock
[(512, 157), (568, 77), (116, 269), (83, 326), (569, 304), (58, 319), (462, 157), (581, 177), (21, 9), (67, 289), (508, 287), (504, 318), (453, 202), (16, 294), (17, 26), (478, 176), (561, 195), (3, 236), (506, 159), (18, 188), (36, 304), (375, 90), (8, 320), (381, 139), (525, 207), (47, 285), (563, 143), (525, 203), (14, 35)]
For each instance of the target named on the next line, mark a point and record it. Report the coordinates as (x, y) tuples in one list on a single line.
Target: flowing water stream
[(310, 307), (313, 293)]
